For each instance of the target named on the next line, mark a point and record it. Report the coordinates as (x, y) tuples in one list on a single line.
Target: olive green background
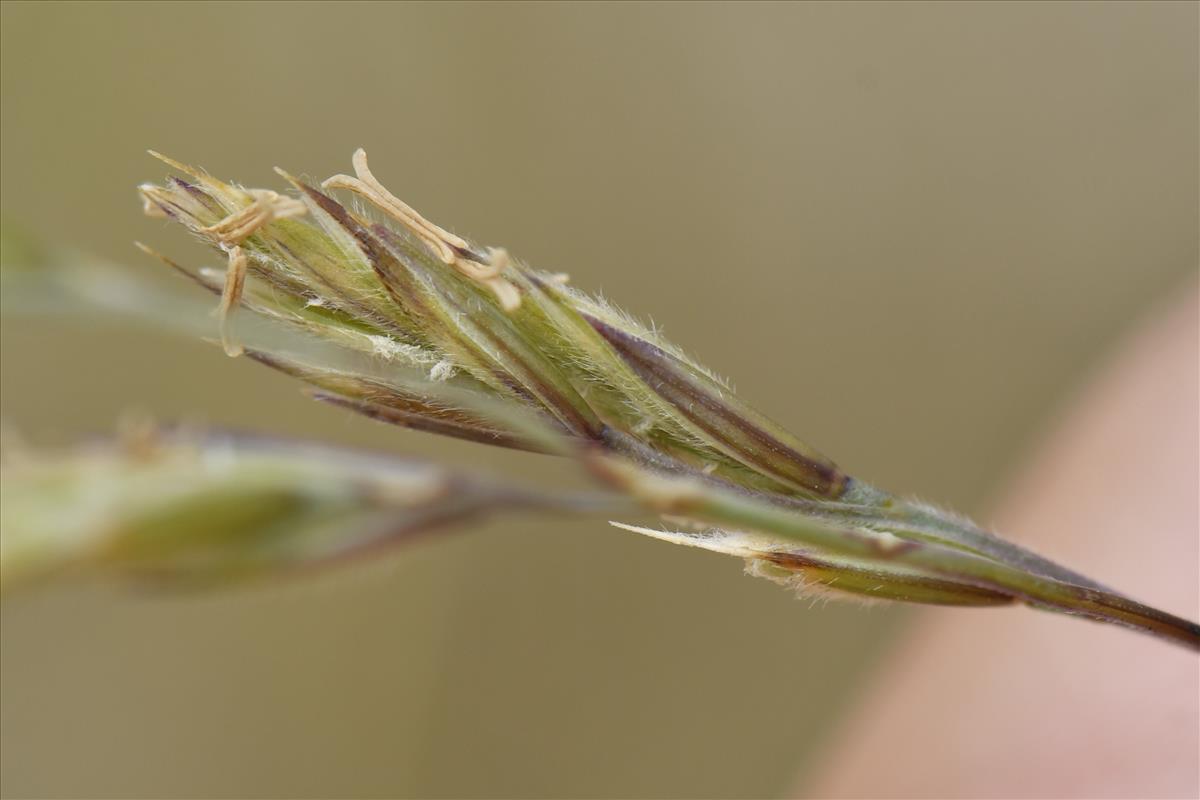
[(905, 231)]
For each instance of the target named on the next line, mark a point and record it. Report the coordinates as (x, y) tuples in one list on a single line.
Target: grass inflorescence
[(389, 315)]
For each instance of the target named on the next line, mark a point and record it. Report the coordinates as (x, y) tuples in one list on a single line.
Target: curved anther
[(368, 186), (265, 208), (451, 249), (231, 295)]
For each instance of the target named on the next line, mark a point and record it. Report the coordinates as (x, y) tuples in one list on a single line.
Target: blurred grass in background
[(905, 231)]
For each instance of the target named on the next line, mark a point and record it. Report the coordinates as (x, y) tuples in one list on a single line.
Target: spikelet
[(389, 315), (598, 386)]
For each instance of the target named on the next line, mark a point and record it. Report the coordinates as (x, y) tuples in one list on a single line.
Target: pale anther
[(231, 295), (448, 247), (265, 208)]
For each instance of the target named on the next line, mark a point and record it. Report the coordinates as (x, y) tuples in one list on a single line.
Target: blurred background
[(907, 232)]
